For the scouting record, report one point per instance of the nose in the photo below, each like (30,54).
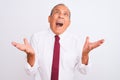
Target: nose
(61,15)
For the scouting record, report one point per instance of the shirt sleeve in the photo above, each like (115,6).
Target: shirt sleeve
(82,68)
(34,69)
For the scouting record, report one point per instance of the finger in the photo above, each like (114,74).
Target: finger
(87,40)
(26,41)
(18,46)
(98,43)
(14,43)
(101,41)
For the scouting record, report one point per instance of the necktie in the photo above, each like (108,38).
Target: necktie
(55,64)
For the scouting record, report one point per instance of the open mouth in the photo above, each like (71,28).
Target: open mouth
(59,24)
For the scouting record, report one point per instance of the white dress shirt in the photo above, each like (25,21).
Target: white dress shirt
(70,56)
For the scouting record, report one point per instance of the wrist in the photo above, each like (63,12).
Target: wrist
(31,59)
(85,59)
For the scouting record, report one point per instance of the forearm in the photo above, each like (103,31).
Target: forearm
(31,64)
(31,59)
(85,59)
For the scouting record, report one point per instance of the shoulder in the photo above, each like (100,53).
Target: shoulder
(39,35)
(70,38)
(73,36)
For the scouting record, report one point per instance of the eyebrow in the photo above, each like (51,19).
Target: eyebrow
(59,10)
(56,10)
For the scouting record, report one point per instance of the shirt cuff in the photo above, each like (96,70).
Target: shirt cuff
(84,69)
(31,70)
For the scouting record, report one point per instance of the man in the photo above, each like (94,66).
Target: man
(40,54)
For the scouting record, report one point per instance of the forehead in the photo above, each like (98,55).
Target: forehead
(61,8)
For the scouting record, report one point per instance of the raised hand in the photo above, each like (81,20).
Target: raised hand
(26,47)
(88,46)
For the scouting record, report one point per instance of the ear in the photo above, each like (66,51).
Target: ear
(49,19)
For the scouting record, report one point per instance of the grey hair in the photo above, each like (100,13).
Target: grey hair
(59,5)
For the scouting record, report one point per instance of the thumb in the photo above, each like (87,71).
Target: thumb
(87,40)
(26,41)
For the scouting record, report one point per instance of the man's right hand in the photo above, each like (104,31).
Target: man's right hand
(26,47)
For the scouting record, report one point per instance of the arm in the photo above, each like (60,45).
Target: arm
(27,49)
(82,64)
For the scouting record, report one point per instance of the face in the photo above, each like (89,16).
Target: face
(59,19)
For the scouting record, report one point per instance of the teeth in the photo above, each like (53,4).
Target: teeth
(59,24)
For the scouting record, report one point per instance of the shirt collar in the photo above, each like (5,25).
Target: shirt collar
(62,36)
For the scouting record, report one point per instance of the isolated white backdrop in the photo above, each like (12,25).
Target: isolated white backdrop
(95,18)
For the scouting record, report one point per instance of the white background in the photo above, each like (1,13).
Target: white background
(95,18)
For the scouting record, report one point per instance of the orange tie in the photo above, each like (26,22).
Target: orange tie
(55,63)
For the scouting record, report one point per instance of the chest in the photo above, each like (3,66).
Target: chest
(68,52)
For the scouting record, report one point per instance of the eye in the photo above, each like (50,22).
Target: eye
(65,14)
(56,12)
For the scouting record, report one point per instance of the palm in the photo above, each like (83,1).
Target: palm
(88,46)
(24,47)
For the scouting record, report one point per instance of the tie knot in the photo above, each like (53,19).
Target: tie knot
(57,38)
